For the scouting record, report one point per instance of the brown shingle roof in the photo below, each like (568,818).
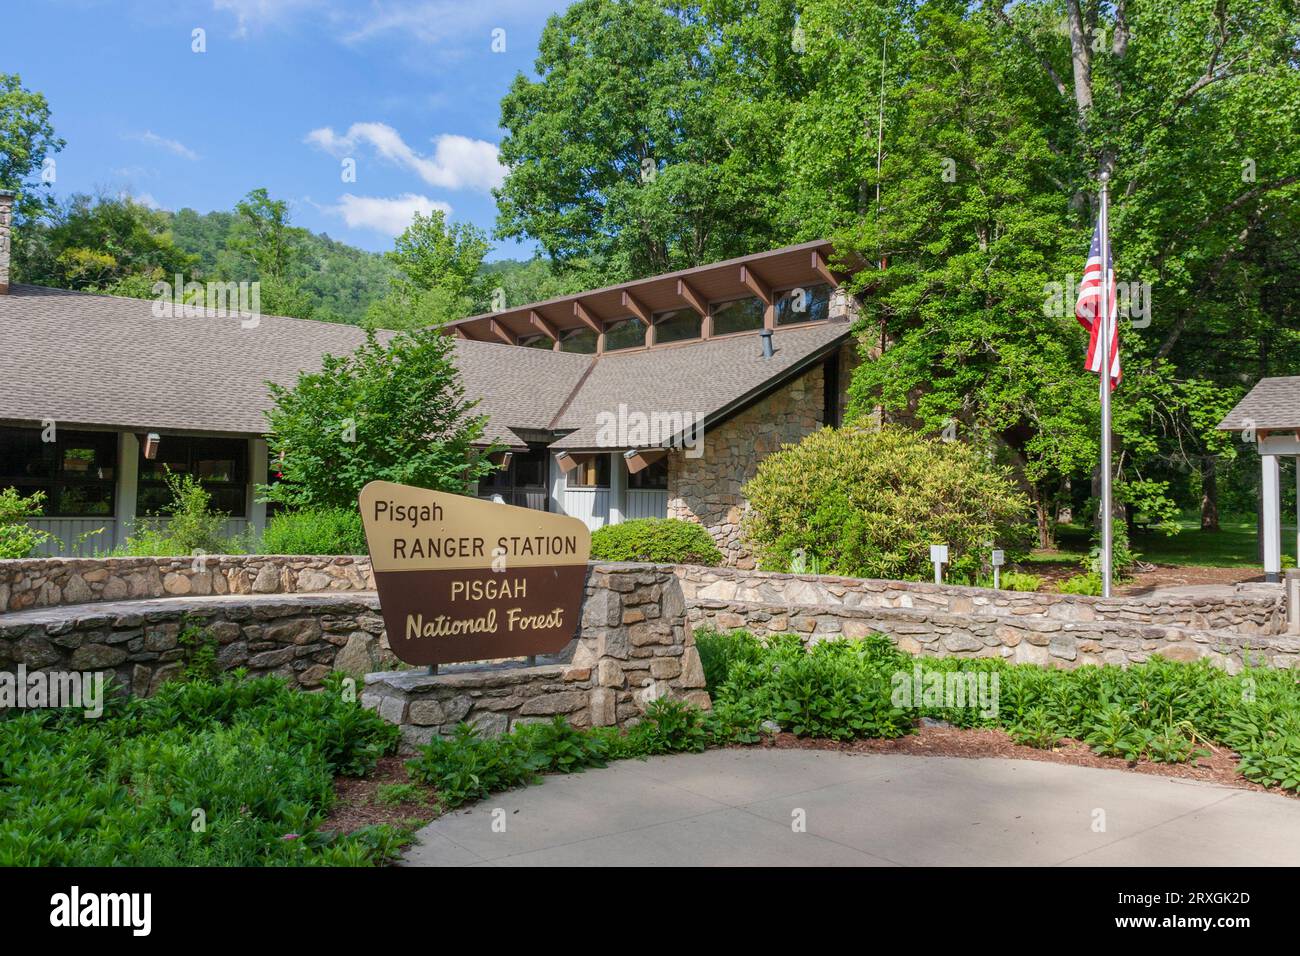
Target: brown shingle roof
(84,359)
(1273,403)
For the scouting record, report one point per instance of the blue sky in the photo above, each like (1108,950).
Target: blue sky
(286,91)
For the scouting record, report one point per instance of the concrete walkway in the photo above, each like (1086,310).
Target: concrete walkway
(737,808)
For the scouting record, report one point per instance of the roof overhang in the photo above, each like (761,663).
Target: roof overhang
(761,274)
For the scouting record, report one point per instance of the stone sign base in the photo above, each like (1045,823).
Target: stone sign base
(634,647)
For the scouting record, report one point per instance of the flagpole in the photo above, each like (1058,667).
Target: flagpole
(1103,339)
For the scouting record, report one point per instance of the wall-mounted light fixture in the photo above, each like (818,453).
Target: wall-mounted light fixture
(501,459)
(151,443)
(566,462)
(638,459)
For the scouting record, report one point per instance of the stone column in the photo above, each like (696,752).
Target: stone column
(6,223)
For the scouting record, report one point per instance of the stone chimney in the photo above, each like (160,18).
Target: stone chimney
(6,220)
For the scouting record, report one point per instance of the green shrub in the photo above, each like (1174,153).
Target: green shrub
(315,531)
(191,527)
(237,773)
(662,540)
(870,504)
(1020,581)
(720,649)
(17,538)
(1086,583)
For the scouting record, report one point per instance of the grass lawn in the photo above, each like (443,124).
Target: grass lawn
(1232,546)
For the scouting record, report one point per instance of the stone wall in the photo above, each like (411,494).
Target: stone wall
(49,582)
(299,637)
(707,489)
(1252,610)
(1050,629)
(634,647)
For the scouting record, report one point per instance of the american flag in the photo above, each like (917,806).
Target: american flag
(1087,308)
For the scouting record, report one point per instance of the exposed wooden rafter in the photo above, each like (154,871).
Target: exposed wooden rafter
(756,285)
(633,305)
(501,332)
(539,323)
(586,318)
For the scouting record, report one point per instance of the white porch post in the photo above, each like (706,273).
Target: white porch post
(1271,493)
(128,474)
(558,482)
(257,467)
(617,487)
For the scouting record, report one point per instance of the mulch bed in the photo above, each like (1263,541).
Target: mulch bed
(1144,582)
(357,802)
(1220,767)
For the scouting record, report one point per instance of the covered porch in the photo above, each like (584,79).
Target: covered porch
(1269,418)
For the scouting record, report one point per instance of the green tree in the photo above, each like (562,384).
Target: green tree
(261,235)
(438,274)
(628,152)
(393,410)
(27,140)
(101,243)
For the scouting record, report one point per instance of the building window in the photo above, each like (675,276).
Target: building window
(582,341)
(221,464)
(592,472)
(738,315)
(678,326)
(653,477)
(810,303)
(626,334)
(537,342)
(77,471)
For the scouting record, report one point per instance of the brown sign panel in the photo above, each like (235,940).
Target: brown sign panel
(461,579)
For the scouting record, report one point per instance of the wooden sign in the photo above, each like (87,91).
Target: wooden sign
(461,579)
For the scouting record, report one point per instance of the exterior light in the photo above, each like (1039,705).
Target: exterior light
(151,443)
(566,462)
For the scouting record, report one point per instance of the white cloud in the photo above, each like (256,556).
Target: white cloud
(171,145)
(389,215)
(256,13)
(458,162)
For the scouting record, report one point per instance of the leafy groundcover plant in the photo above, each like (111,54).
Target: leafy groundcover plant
(1160,711)
(235,773)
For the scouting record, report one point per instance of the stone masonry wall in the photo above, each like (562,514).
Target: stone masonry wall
(707,489)
(634,647)
(49,582)
(1051,629)
(299,637)
(1251,611)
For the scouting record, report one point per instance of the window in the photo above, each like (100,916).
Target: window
(624,334)
(678,326)
(652,476)
(810,303)
(76,471)
(739,315)
(220,463)
(578,340)
(537,342)
(592,472)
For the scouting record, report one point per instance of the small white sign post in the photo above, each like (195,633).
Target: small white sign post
(938,557)
(999,558)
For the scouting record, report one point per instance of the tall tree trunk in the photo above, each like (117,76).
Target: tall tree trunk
(1209,493)
(1042,516)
